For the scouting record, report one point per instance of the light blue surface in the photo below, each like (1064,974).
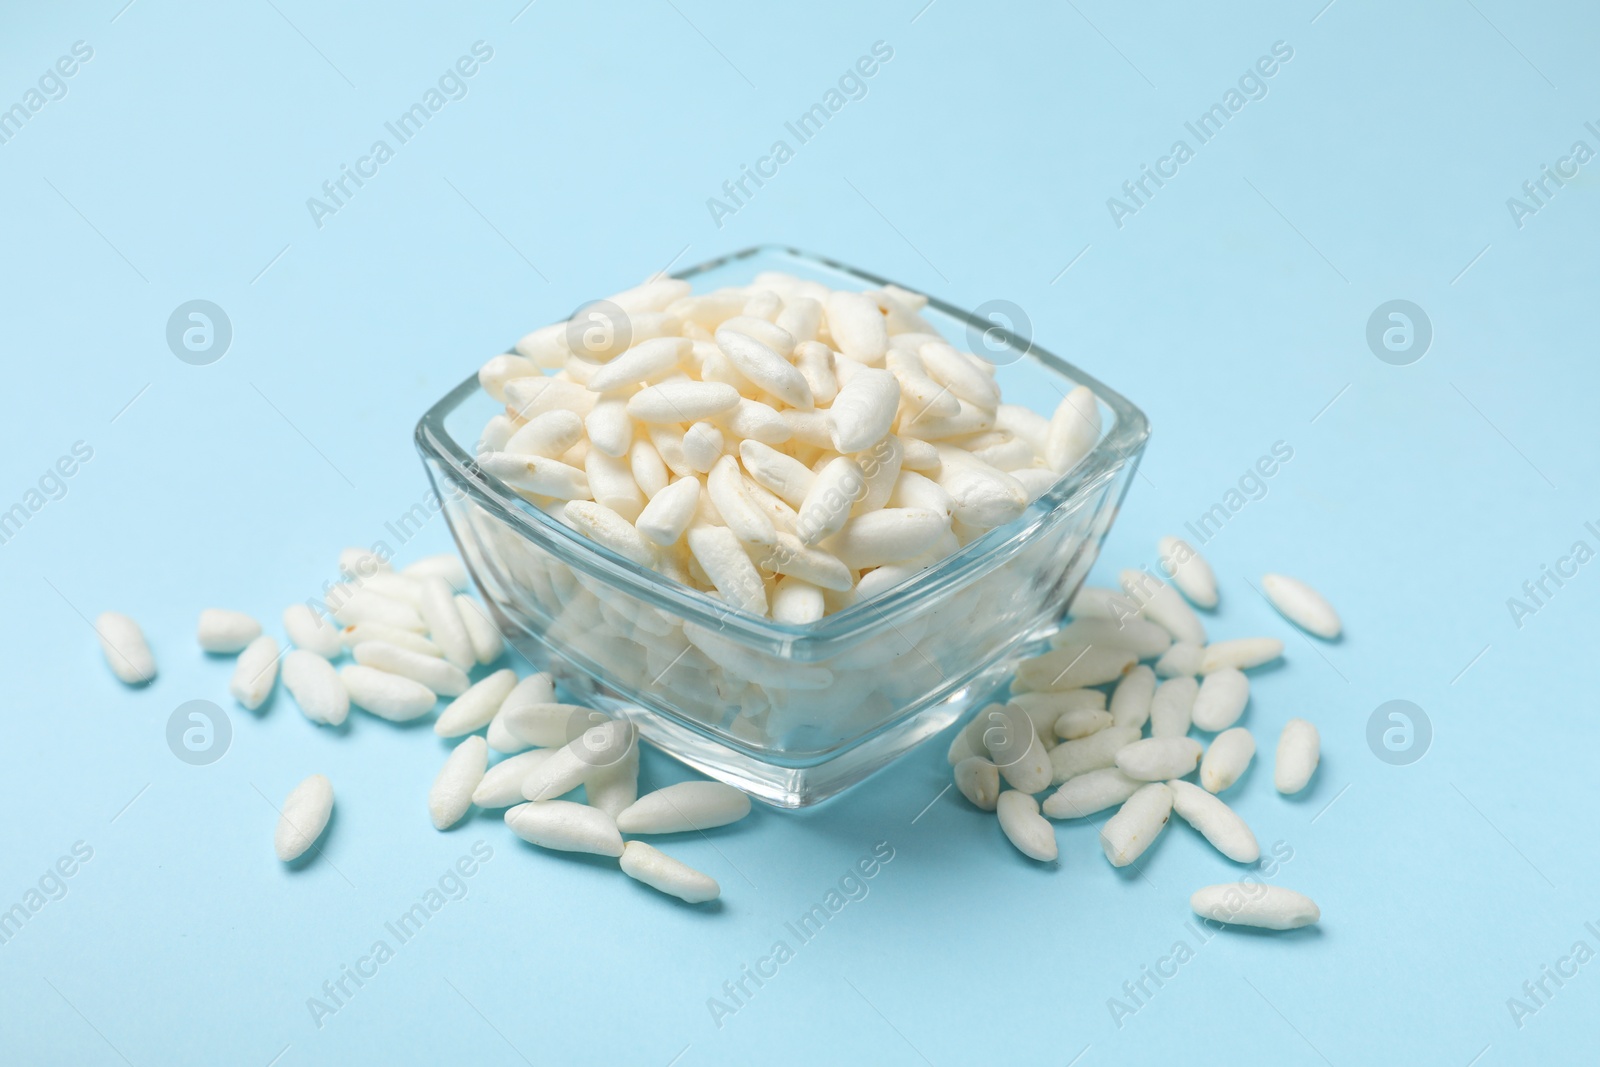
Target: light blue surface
(1232,308)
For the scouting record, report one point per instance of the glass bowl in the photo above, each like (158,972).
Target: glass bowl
(792,714)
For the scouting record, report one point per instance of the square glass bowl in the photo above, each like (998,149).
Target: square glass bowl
(792,714)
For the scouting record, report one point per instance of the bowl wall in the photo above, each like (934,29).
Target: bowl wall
(792,714)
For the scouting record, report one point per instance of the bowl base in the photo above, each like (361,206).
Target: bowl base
(773,783)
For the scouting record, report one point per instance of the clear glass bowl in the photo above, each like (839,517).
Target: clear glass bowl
(791,714)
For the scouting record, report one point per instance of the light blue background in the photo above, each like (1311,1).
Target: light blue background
(1232,308)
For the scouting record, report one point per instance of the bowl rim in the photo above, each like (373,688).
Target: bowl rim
(1120,446)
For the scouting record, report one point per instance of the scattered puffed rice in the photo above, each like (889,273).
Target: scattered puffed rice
(315,687)
(1302,605)
(474,708)
(303,817)
(1137,824)
(312,632)
(1156,759)
(226,632)
(461,774)
(1172,706)
(1025,827)
(1221,699)
(570,765)
(1227,758)
(686,806)
(1183,658)
(388,696)
(1270,907)
(1219,824)
(979,782)
(1189,570)
(126,651)
(1241,653)
(1298,756)
(1161,603)
(501,786)
(1089,793)
(1130,700)
(442,677)
(255,672)
(567,826)
(660,871)
(1098,750)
